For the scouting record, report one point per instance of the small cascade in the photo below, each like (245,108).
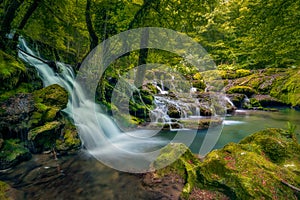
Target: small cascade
(160,89)
(198,112)
(229,101)
(246,102)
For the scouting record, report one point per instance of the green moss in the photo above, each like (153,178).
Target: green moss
(287,88)
(11,149)
(199,84)
(254,103)
(69,139)
(48,102)
(242,90)
(186,165)
(44,137)
(13,152)
(49,127)
(252,169)
(4,187)
(22,88)
(10,71)
(53,95)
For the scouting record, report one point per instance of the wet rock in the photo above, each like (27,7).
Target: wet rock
(257,167)
(246,90)
(12,153)
(237,99)
(43,138)
(173,112)
(8,193)
(14,115)
(268,101)
(69,139)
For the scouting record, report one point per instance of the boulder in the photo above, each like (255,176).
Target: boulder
(12,153)
(264,165)
(43,137)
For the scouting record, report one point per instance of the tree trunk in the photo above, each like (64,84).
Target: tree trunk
(92,33)
(141,70)
(26,17)
(8,17)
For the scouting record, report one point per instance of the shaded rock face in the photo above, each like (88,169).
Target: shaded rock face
(271,87)
(12,153)
(15,114)
(35,120)
(264,165)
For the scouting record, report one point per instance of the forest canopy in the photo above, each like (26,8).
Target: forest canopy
(240,34)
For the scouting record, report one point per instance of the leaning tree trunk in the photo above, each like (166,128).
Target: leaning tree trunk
(89,24)
(26,17)
(141,70)
(7,19)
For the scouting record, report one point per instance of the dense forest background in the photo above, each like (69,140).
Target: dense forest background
(237,33)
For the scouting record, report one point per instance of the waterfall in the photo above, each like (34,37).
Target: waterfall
(98,132)
(198,112)
(229,101)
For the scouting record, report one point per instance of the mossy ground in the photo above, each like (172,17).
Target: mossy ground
(4,187)
(255,168)
(12,152)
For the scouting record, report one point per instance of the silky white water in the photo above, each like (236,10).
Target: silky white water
(98,132)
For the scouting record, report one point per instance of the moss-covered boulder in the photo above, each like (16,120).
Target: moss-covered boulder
(48,102)
(9,193)
(11,71)
(185,165)
(69,139)
(15,114)
(264,165)
(15,77)
(268,101)
(241,90)
(4,187)
(287,88)
(43,137)
(12,153)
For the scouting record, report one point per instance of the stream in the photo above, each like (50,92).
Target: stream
(82,176)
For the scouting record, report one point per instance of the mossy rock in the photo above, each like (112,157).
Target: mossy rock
(173,112)
(248,170)
(11,71)
(199,84)
(242,90)
(278,145)
(287,88)
(268,101)
(179,160)
(53,96)
(43,137)
(4,188)
(12,153)
(48,102)
(69,138)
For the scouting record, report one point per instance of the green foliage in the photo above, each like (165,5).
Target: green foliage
(11,71)
(287,88)
(242,90)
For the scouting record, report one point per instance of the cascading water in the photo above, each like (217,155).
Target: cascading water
(126,151)
(97,131)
